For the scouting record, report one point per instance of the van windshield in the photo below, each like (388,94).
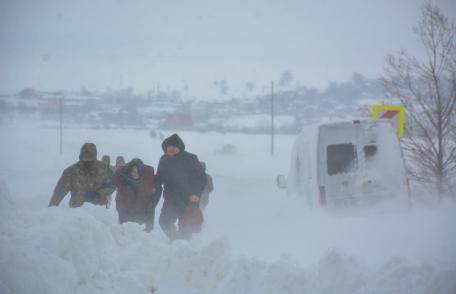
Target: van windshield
(340,158)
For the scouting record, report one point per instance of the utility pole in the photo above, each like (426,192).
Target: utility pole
(272,118)
(61,124)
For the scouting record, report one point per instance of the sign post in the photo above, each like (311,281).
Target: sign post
(272,118)
(61,124)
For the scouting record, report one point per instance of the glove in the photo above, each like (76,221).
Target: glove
(91,195)
(193,199)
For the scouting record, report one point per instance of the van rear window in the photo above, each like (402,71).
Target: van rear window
(340,158)
(369,151)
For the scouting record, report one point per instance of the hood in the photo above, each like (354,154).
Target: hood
(173,140)
(120,161)
(106,159)
(88,152)
(135,162)
(126,174)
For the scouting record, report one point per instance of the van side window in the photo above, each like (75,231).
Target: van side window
(340,158)
(369,151)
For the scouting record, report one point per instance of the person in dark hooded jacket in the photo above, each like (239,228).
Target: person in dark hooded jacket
(182,179)
(136,199)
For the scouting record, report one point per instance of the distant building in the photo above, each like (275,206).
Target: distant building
(28,93)
(177,120)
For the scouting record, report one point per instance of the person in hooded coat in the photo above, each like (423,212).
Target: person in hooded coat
(106,159)
(120,162)
(182,179)
(136,199)
(88,180)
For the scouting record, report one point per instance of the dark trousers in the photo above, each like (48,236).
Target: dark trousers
(172,211)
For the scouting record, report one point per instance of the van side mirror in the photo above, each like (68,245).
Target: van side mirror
(282,182)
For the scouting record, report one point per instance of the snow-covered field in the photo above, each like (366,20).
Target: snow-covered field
(256,238)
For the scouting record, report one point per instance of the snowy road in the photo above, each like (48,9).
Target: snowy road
(256,239)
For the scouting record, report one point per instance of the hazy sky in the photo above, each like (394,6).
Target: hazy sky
(99,44)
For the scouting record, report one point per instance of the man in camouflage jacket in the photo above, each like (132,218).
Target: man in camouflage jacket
(88,180)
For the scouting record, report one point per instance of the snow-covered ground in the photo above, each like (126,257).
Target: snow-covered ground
(256,239)
(253,122)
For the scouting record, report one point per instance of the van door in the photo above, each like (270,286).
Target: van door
(338,163)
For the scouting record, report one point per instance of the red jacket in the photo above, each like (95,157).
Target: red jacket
(126,200)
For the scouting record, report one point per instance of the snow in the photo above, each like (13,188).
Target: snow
(256,239)
(253,122)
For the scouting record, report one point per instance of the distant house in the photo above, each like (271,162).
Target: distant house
(28,93)
(177,120)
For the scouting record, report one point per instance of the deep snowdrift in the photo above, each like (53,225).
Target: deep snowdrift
(62,250)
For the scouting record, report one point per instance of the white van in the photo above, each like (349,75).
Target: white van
(347,163)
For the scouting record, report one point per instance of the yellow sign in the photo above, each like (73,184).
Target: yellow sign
(394,113)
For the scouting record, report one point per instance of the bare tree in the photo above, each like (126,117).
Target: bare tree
(223,87)
(250,86)
(427,88)
(286,78)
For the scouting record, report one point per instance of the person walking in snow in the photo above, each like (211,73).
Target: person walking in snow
(120,162)
(106,159)
(182,179)
(136,199)
(208,188)
(88,180)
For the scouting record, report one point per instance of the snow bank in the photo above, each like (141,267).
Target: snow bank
(63,250)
